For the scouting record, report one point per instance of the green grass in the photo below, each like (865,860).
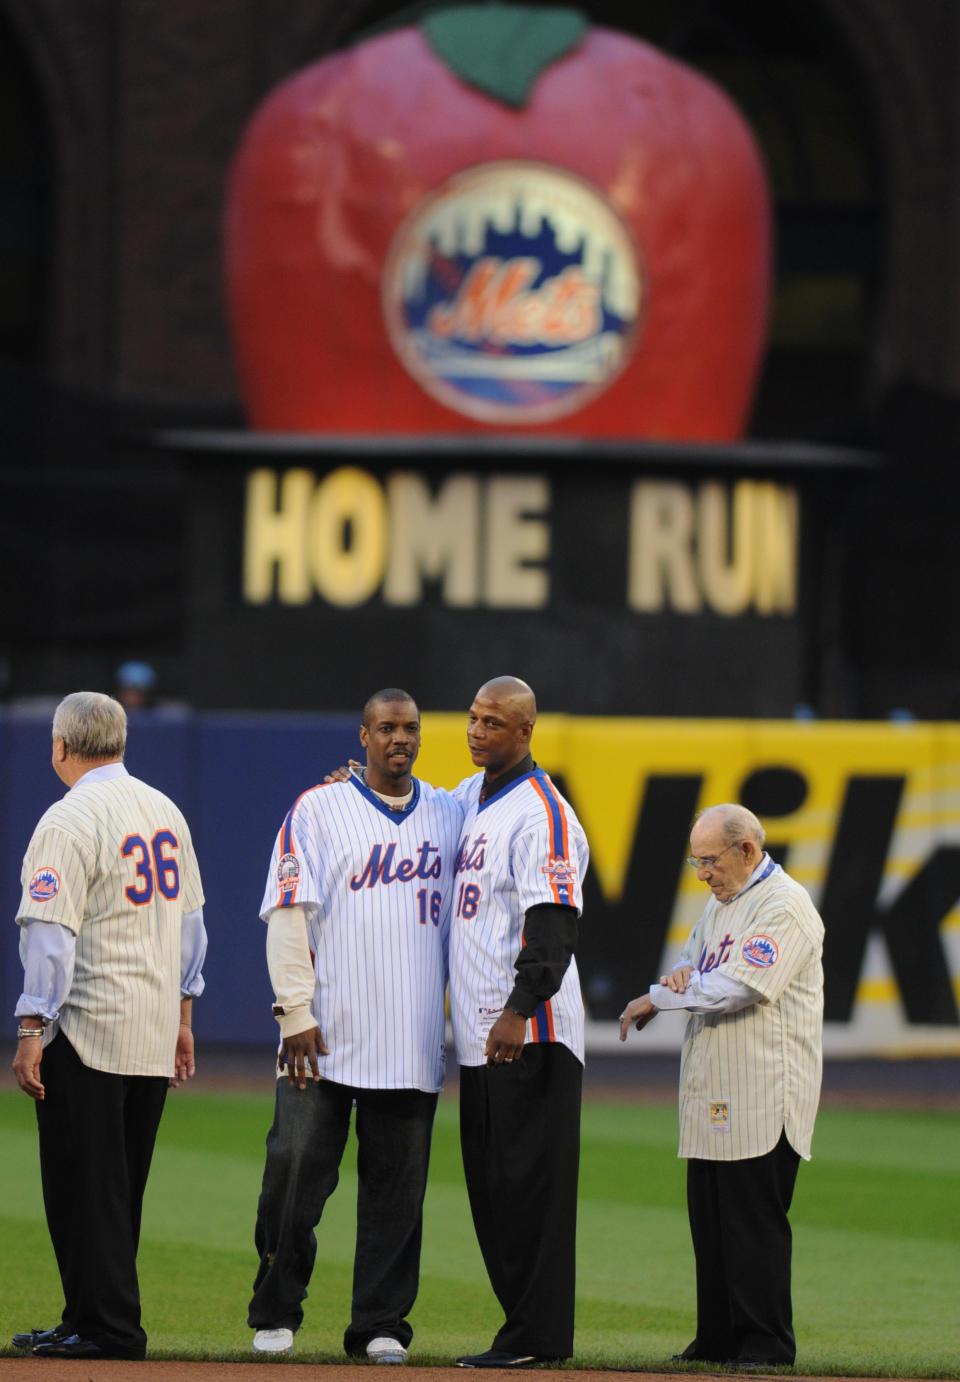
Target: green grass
(876,1231)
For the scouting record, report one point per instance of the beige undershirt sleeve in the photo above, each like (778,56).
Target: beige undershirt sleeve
(291,970)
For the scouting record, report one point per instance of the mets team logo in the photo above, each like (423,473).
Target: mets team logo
(512,293)
(288,873)
(44,885)
(760,951)
(561,872)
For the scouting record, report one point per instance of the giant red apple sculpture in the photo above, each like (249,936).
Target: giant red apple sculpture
(500,217)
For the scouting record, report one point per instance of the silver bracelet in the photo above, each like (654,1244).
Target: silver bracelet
(29,1032)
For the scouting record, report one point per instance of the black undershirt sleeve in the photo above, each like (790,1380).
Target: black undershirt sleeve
(550,935)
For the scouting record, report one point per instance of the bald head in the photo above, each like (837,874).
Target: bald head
(511,692)
(500,724)
(734,822)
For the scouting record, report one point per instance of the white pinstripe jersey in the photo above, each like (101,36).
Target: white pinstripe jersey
(376,885)
(747,1076)
(113,861)
(523,847)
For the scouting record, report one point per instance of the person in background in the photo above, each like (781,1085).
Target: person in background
(135,685)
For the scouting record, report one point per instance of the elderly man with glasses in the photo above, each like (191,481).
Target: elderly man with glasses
(751,978)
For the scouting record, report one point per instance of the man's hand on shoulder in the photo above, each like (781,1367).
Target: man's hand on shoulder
(301,1053)
(343,774)
(637,1013)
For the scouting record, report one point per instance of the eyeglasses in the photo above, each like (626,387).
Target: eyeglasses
(707,861)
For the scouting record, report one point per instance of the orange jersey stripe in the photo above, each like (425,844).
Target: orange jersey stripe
(558,839)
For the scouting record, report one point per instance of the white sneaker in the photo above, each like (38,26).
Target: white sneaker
(384,1350)
(273,1341)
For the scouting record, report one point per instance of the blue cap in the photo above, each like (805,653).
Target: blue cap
(137,674)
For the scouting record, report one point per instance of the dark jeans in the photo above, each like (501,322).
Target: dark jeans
(304,1150)
(742,1242)
(97,1132)
(520,1138)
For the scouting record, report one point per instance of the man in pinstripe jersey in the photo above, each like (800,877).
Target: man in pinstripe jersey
(112,941)
(518,1025)
(751,978)
(357,905)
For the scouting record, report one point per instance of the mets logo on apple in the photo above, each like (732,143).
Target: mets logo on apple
(512,292)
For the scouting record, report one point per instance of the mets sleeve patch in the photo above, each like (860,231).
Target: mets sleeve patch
(760,951)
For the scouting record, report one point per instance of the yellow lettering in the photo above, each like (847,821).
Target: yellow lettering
(433,537)
(348,536)
(517,535)
(776,535)
(275,537)
(725,546)
(660,561)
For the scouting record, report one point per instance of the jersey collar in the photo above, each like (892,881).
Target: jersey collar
(490,787)
(104,773)
(517,775)
(371,796)
(764,869)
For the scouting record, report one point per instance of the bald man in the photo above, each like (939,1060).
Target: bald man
(751,978)
(518,1025)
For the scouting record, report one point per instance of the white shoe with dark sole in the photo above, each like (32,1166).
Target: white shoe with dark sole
(384,1350)
(273,1341)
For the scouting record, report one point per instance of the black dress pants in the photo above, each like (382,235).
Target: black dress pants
(305,1146)
(520,1137)
(97,1133)
(742,1243)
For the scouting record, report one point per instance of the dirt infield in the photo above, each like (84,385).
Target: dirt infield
(33,1369)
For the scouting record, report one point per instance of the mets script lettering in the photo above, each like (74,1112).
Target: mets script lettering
(497,302)
(383,866)
(716,957)
(471,853)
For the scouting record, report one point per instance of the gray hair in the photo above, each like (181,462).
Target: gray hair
(91,725)
(736,823)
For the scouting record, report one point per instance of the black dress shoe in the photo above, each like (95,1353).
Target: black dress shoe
(756,1364)
(30,1338)
(500,1358)
(73,1346)
(692,1354)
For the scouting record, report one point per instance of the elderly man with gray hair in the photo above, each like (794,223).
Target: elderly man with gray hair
(112,942)
(751,978)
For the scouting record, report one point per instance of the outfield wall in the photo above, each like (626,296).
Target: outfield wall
(866,816)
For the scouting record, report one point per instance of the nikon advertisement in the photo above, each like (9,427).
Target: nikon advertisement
(866,817)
